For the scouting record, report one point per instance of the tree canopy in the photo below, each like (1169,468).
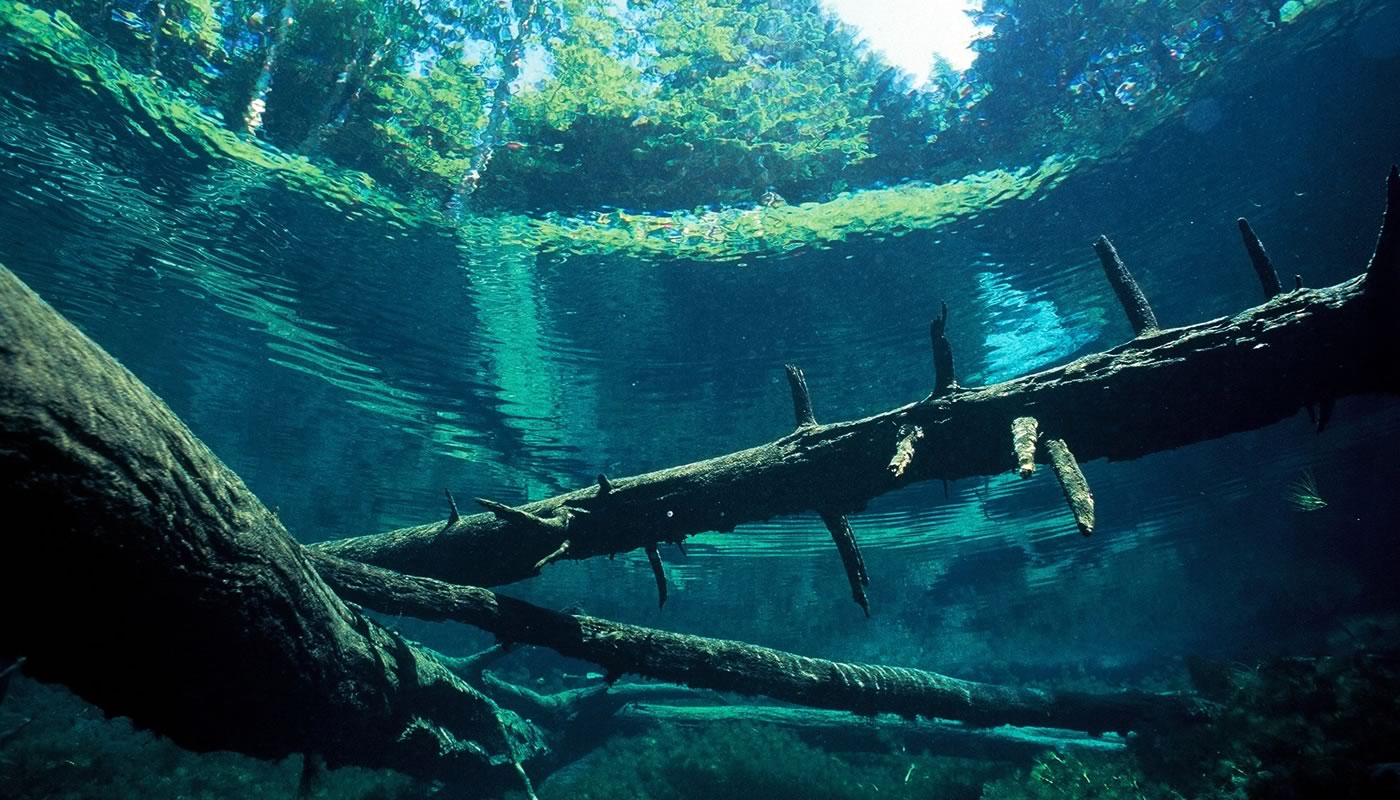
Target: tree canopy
(578,107)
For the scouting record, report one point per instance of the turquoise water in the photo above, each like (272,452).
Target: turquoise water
(350,362)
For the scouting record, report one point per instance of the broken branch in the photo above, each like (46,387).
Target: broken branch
(1024,431)
(904,449)
(851,559)
(654,558)
(453,516)
(511,514)
(1072,481)
(945,378)
(1263,266)
(1125,286)
(801,398)
(555,555)
(1383,270)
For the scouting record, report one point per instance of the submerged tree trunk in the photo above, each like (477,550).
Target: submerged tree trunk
(834,730)
(731,666)
(586,718)
(156,586)
(1162,390)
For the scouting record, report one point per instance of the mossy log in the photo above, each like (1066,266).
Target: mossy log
(730,666)
(1162,390)
(842,732)
(588,717)
(208,623)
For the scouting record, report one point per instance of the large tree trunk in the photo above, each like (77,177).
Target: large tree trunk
(1162,390)
(150,581)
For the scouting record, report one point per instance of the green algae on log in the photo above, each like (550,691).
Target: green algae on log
(198,616)
(1162,390)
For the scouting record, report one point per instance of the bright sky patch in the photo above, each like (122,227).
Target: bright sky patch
(910,32)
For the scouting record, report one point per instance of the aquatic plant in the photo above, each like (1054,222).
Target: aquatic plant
(1303,495)
(745,762)
(1086,776)
(1290,727)
(69,750)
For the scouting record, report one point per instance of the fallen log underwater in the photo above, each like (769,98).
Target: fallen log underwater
(1162,390)
(722,665)
(580,719)
(151,582)
(222,632)
(595,713)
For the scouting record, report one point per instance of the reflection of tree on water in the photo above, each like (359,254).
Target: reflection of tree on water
(665,104)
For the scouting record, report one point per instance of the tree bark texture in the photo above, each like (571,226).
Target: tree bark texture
(211,627)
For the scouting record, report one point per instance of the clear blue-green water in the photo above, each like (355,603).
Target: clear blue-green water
(350,368)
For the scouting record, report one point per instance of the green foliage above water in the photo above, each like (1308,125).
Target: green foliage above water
(422,161)
(757,229)
(54,66)
(766,117)
(178,41)
(416,133)
(678,102)
(647,104)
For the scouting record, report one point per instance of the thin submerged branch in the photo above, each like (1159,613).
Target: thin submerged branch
(730,666)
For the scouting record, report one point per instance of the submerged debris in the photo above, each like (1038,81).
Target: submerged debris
(1302,493)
